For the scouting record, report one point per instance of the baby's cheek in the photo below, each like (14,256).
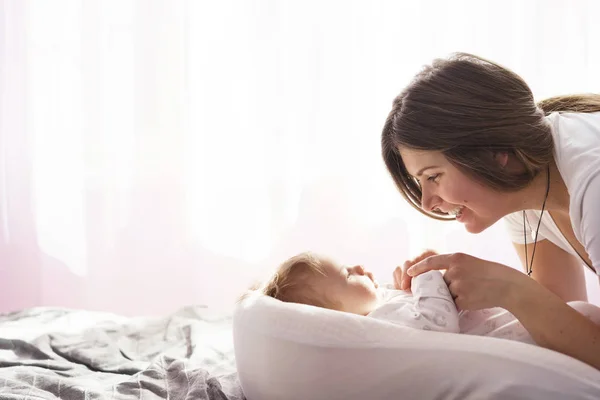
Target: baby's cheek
(372,299)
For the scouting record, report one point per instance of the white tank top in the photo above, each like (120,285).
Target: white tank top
(577,154)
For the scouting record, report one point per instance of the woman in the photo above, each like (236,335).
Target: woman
(466,141)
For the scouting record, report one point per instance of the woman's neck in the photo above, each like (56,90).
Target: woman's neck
(532,197)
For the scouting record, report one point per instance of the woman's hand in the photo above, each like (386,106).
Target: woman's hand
(401,279)
(475,283)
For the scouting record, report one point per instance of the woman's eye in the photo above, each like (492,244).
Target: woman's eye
(433,178)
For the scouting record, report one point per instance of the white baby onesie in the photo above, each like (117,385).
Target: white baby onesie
(429,307)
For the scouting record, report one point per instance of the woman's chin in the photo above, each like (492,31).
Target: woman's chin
(475,227)
(473,222)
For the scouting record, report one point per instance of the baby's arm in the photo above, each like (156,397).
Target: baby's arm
(434,301)
(431,307)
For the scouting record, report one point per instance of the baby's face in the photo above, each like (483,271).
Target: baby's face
(351,287)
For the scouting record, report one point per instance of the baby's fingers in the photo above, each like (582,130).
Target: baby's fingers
(398,276)
(406,281)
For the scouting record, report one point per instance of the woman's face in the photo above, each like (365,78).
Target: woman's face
(448,189)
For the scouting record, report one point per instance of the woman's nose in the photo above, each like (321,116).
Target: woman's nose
(429,201)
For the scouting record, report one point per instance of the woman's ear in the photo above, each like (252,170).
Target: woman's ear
(501,159)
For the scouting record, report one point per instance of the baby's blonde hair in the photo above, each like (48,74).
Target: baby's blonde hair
(291,283)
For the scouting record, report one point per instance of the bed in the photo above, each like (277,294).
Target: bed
(50,353)
(282,352)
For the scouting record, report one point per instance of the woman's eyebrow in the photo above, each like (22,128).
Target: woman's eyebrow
(420,172)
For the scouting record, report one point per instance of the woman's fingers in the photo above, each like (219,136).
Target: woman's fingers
(426,254)
(430,263)
(473,283)
(402,280)
(454,289)
(421,257)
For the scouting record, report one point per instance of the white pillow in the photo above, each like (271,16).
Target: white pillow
(288,351)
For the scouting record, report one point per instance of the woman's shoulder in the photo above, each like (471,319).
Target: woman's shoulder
(577,145)
(577,154)
(574,131)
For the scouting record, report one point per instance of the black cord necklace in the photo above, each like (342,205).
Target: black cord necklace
(529,268)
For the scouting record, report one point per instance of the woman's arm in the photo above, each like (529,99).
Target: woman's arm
(553,324)
(555,269)
(477,284)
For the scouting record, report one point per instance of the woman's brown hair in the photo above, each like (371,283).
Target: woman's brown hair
(470,109)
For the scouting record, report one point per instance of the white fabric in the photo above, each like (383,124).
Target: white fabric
(428,307)
(294,351)
(577,154)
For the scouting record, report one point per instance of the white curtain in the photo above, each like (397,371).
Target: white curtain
(155,154)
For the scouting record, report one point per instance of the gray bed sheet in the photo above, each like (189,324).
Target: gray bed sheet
(50,353)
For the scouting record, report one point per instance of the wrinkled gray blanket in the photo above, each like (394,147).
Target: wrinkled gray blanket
(48,353)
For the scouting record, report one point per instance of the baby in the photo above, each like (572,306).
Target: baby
(315,280)
(311,279)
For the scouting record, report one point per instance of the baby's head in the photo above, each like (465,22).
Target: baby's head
(310,279)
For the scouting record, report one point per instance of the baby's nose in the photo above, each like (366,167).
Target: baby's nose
(358,269)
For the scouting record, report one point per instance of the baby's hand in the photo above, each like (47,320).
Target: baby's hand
(401,279)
